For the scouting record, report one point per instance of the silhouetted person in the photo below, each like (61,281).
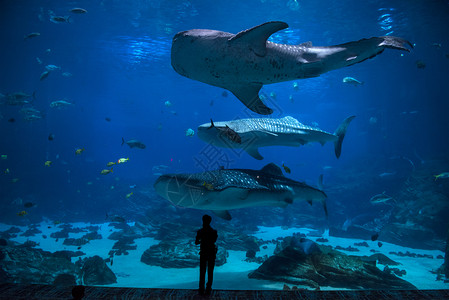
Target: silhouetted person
(78,292)
(207,236)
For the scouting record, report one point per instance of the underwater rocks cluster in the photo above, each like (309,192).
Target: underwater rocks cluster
(303,262)
(177,248)
(21,263)
(179,254)
(416,216)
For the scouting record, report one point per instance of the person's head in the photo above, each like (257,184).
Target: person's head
(206,220)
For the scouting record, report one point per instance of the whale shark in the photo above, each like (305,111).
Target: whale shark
(260,132)
(222,190)
(242,63)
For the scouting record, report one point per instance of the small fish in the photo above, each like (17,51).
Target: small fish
(436,45)
(379,244)
(168,103)
(60,19)
(231,135)
(420,64)
(380,198)
(106,171)
(374,237)
(56,222)
(190,132)
(60,104)
(287,169)
(39,61)
(227,132)
(29,204)
(67,74)
(208,186)
(31,35)
(79,248)
(4,156)
(51,137)
(110,164)
(353,81)
(444,175)
(6,171)
(22,213)
(78,10)
(107,119)
(79,151)
(134,144)
(12,120)
(295,86)
(48,163)
(52,68)
(122,160)
(44,75)
(129,195)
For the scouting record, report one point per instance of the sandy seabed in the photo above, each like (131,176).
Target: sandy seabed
(131,272)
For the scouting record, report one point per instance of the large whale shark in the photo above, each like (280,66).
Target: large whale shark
(261,132)
(225,189)
(242,63)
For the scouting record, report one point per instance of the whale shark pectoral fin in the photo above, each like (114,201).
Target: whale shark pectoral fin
(224,214)
(257,37)
(394,42)
(254,152)
(249,95)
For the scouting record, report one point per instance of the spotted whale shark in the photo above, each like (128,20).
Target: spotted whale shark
(262,132)
(222,190)
(242,63)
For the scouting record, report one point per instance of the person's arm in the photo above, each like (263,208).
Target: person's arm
(198,238)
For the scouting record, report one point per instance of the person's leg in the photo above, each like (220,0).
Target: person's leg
(210,273)
(203,263)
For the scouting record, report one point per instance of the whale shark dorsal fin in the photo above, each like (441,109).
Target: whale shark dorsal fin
(257,36)
(254,152)
(248,94)
(272,169)
(224,214)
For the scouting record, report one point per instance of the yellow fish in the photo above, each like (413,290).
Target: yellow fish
(287,169)
(442,175)
(79,151)
(111,163)
(22,213)
(105,171)
(129,195)
(48,163)
(7,171)
(208,186)
(122,160)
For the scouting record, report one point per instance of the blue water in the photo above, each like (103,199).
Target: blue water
(119,57)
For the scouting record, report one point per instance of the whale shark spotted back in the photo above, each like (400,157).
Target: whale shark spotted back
(262,132)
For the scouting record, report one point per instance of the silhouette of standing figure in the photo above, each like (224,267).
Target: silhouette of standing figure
(206,236)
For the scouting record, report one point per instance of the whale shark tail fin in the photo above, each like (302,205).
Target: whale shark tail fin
(340,133)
